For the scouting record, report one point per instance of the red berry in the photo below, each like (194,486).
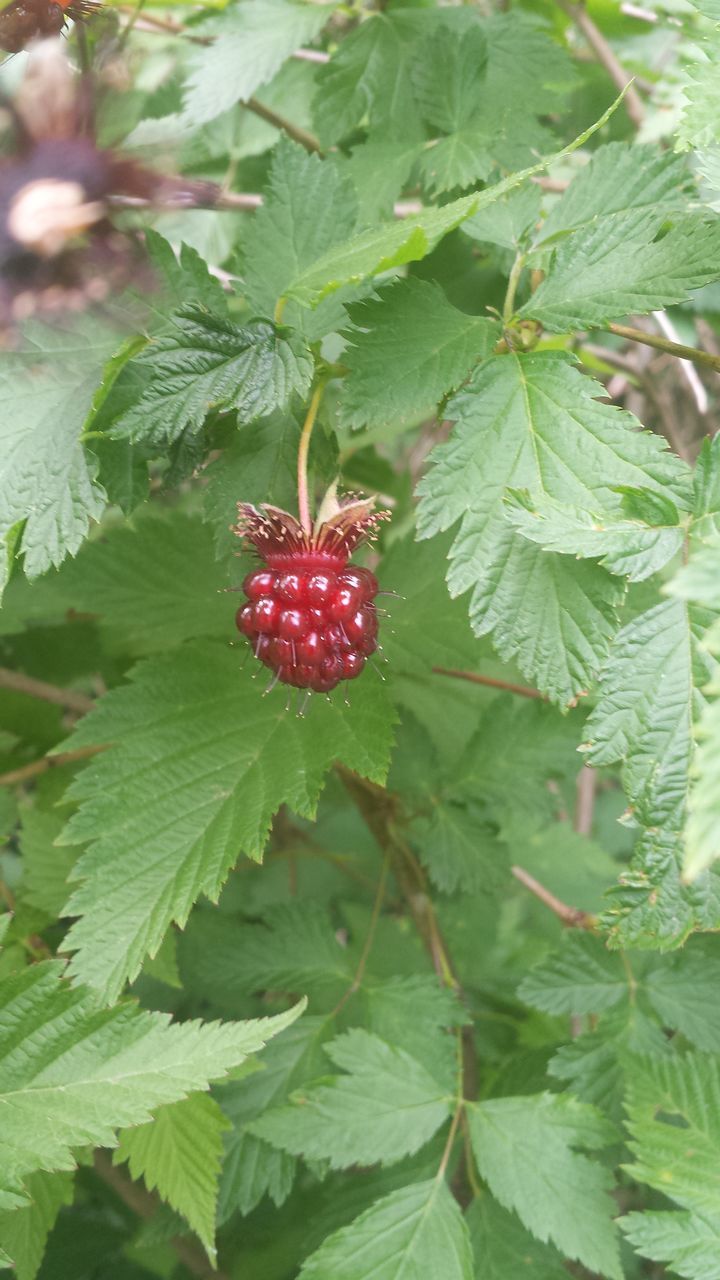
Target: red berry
(309,616)
(343,603)
(362,579)
(293,624)
(292,587)
(266,614)
(261,582)
(319,588)
(244,620)
(352,664)
(311,649)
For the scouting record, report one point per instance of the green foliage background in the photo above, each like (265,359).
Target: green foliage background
(408,988)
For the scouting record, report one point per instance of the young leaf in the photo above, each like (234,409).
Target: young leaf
(254,39)
(526,1149)
(386,1107)
(205,361)
(416,1233)
(199,765)
(179,1152)
(72,1073)
(429,344)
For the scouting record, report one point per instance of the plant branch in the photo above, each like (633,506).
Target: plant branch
(303,136)
(68,698)
(513,282)
(145,1205)
(571,916)
(367,946)
(524,691)
(661,343)
(27,771)
(607,58)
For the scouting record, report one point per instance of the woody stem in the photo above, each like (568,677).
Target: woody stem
(303,450)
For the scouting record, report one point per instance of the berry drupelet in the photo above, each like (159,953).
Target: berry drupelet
(310,615)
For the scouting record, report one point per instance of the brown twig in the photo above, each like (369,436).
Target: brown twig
(607,58)
(145,1205)
(585,800)
(68,698)
(524,691)
(660,343)
(27,771)
(303,136)
(574,917)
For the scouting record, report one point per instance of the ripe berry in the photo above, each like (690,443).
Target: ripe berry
(310,615)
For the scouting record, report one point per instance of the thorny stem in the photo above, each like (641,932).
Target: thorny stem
(574,917)
(47,692)
(513,282)
(367,946)
(660,343)
(524,691)
(607,58)
(303,449)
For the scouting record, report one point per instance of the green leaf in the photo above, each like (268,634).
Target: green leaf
(504,1249)
(448,77)
(199,765)
(259,465)
(369,77)
(673,1107)
(416,1233)
(652,906)
(386,1107)
(204,362)
(618,179)
(151,584)
(593,1065)
(429,344)
(507,221)
(251,1167)
(179,1153)
(532,421)
(643,716)
(254,40)
(685,993)
(292,947)
(24,1231)
(459,848)
(309,208)
(698,124)
(702,845)
(625,547)
(395,244)
(697,581)
(582,977)
(688,1242)
(526,1150)
(45,866)
(47,482)
(73,1073)
(624,265)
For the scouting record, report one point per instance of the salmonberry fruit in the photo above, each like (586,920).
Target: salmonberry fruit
(310,615)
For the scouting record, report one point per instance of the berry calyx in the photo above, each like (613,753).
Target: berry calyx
(310,615)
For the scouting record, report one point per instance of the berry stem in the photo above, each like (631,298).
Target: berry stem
(303,450)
